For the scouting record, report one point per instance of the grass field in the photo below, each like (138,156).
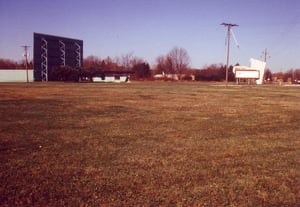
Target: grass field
(149,144)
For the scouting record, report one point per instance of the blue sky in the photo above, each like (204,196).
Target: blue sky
(150,28)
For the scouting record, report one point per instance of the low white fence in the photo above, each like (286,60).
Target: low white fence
(16,75)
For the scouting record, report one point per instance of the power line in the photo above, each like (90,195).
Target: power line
(229,26)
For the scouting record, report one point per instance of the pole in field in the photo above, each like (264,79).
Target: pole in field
(265,54)
(26,60)
(229,26)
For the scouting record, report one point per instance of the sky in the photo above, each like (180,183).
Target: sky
(150,28)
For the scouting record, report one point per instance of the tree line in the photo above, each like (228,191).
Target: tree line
(10,64)
(176,61)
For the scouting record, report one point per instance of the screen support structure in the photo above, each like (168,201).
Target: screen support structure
(78,54)
(62,49)
(44,57)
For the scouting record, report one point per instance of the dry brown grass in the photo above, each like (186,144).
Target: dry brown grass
(149,144)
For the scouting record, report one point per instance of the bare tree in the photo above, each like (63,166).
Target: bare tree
(163,64)
(175,62)
(109,64)
(136,61)
(10,64)
(180,59)
(160,60)
(92,61)
(126,60)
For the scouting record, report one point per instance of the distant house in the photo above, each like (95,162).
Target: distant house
(166,76)
(113,76)
(173,76)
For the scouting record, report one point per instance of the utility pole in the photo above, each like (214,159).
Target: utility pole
(228,25)
(26,60)
(265,55)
